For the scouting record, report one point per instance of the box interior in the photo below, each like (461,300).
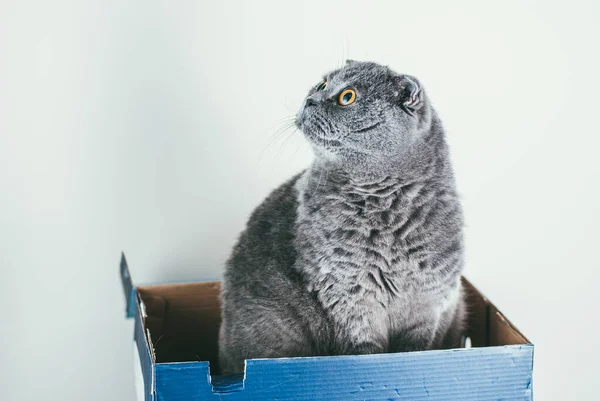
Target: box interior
(184,319)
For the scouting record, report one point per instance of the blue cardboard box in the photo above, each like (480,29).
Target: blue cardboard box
(176,333)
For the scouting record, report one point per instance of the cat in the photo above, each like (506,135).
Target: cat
(361,253)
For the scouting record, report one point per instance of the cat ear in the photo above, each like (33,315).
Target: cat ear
(350,62)
(410,95)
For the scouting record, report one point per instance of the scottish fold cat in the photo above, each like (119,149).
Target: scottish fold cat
(362,252)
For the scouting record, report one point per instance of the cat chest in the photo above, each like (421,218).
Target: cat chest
(355,260)
(370,239)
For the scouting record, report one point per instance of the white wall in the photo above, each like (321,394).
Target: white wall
(142,126)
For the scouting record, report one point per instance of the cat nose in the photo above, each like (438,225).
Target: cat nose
(311,102)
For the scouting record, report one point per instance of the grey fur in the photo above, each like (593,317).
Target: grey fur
(362,252)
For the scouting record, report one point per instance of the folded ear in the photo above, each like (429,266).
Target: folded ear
(410,95)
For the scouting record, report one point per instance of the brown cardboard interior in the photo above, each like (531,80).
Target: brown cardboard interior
(184,320)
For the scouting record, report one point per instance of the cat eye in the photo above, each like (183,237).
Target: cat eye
(347,97)
(322,86)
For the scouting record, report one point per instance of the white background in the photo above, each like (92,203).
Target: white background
(144,126)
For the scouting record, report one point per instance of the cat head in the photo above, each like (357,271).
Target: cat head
(364,114)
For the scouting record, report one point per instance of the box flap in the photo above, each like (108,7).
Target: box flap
(487,325)
(128,288)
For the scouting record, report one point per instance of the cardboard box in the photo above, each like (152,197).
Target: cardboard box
(176,339)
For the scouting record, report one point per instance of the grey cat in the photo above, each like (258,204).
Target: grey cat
(363,252)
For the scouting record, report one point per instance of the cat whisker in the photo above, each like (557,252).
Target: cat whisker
(279,133)
(318,184)
(283,120)
(285,142)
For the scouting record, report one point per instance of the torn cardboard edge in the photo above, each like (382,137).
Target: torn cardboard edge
(144,345)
